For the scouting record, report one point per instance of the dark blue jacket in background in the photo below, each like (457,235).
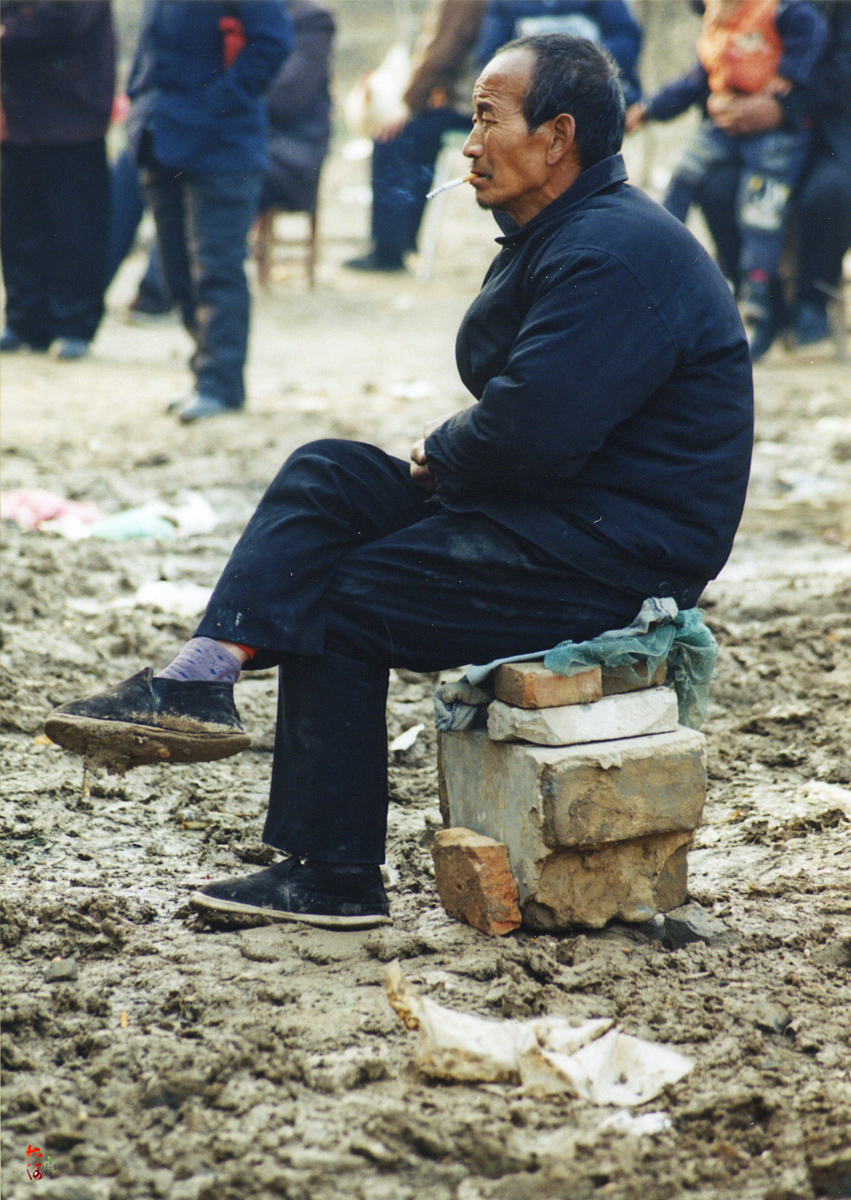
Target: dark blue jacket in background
(619,32)
(614,421)
(202,117)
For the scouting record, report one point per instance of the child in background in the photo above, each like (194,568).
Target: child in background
(751,46)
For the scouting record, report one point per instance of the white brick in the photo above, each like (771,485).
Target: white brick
(629,715)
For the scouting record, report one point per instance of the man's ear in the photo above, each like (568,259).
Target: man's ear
(561,141)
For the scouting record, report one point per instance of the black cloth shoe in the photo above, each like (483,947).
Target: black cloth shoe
(330,895)
(146,720)
(197,407)
(374,261)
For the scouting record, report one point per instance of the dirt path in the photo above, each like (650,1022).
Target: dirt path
(197,1064)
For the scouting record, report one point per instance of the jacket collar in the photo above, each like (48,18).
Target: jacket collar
(591,181)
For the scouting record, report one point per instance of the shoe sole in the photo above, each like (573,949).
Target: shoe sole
(199,900)
(120,745)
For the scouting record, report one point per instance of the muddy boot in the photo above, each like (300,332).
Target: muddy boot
(148,719)
(329,895)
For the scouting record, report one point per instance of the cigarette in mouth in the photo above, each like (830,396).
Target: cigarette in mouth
(453,183)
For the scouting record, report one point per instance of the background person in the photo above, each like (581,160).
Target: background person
(756,47)
(604,460)
(821,209)
(198,130)
(607,23)
(405,151)
(298,107)
(58,80)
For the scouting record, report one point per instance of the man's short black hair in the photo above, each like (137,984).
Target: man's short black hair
(572,75)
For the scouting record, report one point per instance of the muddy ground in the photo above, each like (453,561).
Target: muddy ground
(193,1063)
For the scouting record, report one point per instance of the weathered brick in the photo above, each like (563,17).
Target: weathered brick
(474,880)
(543,801)
(631,679)
(632,880)
(633,714)
(531,685)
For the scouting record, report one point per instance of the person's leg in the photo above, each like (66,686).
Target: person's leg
(402,171)
(345,570)
(220,210)
(79,218)
(772,164)
(164,192)
(716,197)
(708,150)
(25,247)
(823,236)
(445,591)
(128,204)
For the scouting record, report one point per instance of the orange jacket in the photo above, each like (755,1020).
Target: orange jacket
(739,46)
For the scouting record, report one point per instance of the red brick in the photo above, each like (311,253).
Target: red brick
(531,685)
(617,679)
(474,880)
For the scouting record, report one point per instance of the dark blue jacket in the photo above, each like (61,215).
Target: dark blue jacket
(614,421)
(203,117)
(617,30)
(58,71)
(826,100)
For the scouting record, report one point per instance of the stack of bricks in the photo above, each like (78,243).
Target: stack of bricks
(592,786)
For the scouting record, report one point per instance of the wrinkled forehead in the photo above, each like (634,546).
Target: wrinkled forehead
(504,81)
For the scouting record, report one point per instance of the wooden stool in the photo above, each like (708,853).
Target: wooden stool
(265,239)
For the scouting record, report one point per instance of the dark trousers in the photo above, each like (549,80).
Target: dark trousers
(821,217)
(54,232)
(202,226)
(402,171)
(128,205)
(769,166)
(346,569)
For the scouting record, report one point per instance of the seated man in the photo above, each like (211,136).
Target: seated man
(298,107)
(605,459)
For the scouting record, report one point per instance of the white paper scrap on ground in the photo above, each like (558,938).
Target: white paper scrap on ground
(548,1056)
(180,599)
(405,740)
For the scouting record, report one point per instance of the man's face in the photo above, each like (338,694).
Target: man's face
(509,164)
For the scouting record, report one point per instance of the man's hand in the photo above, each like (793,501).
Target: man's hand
(740,114)
(390,130)
(635,115)
(420,473)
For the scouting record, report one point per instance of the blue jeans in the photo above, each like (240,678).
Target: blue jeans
(346,569)
(128,204)
(769,164)
(202,226)
(402,171)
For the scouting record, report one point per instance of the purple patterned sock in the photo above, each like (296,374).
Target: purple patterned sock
(203,658)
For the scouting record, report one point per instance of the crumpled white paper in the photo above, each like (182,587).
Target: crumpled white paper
(592,1061)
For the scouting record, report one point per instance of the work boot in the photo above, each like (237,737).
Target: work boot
(812,324)
(11,342)
(329,895)
(148,719)
(376,260)
(69,349)
(198,407)
(760,315)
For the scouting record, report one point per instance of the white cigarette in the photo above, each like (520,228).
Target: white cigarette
(444,187)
